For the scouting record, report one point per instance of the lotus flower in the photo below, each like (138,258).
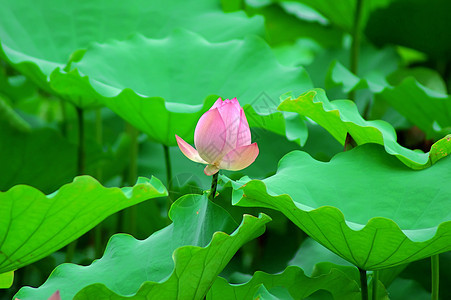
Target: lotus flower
(222,138)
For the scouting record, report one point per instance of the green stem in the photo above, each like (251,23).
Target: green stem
(133,166)
(99,139)
(214,183)
(70,251)
(347,141)
(97,234)
(81,142)
(167,160)
(80,169)
(363,284)
(355,46)
(130,214)
(435,276)
(64,124)
(374,283)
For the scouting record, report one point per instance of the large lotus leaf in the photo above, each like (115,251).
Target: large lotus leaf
(428,109)
(160,88)
(33,225)
(340,75)
(293,279)
(341,117)
(364,205)
(184,257)
(38,40)
(417,24)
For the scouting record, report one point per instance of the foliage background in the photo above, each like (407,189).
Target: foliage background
(130,75)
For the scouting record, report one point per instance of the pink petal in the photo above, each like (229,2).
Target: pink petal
(210,170)
(217,104)
(236,103)
(239,158)
(210,136)
(230,114)
(244,133)
(189,151)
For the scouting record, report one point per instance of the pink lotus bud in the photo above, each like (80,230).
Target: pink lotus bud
(222,138)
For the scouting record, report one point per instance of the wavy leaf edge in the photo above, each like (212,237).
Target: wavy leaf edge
(428,234)
(432,157)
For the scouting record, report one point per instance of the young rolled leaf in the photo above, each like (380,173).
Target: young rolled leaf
(340,117)
(33,225)
(293,279)
(168,79)
(364,205)
(28,44)
(183,258)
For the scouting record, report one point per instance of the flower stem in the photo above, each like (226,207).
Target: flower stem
(363,284)
(214,183)
(375,284)
(81,142)
(64,125)
(129,218)
(167,160)
(355,46)
(435,276)
(97,235)
(70,250)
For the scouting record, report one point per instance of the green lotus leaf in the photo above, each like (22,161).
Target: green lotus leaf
(340,75)
(186,256)
(427,77)
(424,107)
(341,117)
(293,279)
(160,88)
(33,225)
(364,205)
(330,69)
(39,40)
